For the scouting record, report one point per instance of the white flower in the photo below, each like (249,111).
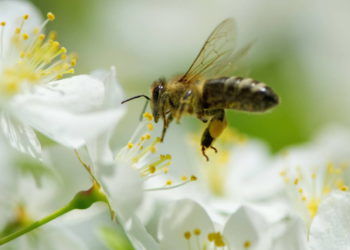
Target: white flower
(70,111)
(186,225)
(25,199)
(311,172)
(138,168)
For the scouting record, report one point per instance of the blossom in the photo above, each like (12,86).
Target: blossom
(24,199)
(70,111)
(186,225)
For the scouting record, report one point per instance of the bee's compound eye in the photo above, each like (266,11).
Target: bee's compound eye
(156,92)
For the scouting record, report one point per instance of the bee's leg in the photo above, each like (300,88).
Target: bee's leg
(166,122)
(215,127)
(184,104)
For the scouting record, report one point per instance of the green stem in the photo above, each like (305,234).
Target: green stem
(82,200)
(37,224)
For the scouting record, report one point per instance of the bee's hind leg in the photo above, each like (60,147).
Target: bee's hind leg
(215,127)
(184,104)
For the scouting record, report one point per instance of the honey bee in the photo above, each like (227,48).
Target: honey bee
(203,91)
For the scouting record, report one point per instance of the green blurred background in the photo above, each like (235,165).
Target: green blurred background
(301,51)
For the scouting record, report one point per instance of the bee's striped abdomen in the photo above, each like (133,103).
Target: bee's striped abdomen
(237,93)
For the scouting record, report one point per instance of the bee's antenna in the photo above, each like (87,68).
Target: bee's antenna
(134,97)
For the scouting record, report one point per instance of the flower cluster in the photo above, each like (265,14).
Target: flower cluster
(56,129)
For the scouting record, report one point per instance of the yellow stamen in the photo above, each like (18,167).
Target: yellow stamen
(148,116)
(50,16)
(184,178)
(247,244)
(193,178)
(150,126)
(187,235)
(25,36)
(197,231)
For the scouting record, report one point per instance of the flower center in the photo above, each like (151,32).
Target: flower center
(141,153)
(196,240)
(31,58)
(310,186)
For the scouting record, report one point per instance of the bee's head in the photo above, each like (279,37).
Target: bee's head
(157,91)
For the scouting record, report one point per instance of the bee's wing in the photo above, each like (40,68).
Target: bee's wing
(229,63)
(216,53)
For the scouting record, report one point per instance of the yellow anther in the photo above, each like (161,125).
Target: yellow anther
(300,190)
(152,169)
(165,170)
(150,126)
(73,62)
(63,50)
(130,145)
(50,16)
(41,37)
(211,237)
(344,188)
(313,175)
(184,178)
(25,17)
(247,244)
(303,198)
(197,231)
(64,57)
(153,149)
(147,136)
(142,138)
(193,178)
(70,71)
(148,116)
(59,76)
(168,182)
(22,54)
(187,235)
(296,181)
(3,23)
(55,44)
(25,36)
(18,30)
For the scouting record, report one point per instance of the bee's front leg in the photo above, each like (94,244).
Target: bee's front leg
(215,127)
(184,104)
(166,121)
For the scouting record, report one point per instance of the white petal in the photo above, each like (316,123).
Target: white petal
(139,236)
(76,94)
(180,217)
(125,188)
(21,136)
(331,226)
(12,11)
(114,94)
(99,149)
(246,225)
(294,236)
